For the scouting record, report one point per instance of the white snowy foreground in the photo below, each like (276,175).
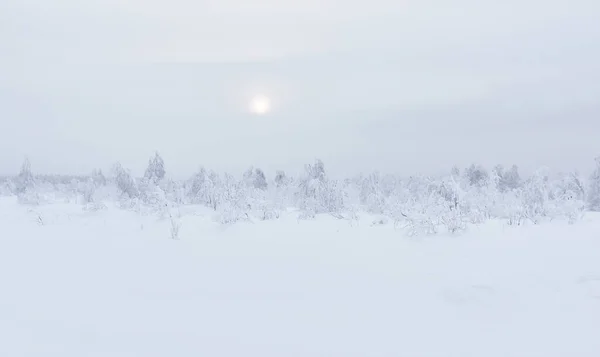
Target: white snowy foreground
(113,283)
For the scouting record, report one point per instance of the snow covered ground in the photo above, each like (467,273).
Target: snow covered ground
(112,283)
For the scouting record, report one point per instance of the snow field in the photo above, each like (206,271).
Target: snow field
(112,283)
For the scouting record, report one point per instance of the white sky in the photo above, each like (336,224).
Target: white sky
(401,86)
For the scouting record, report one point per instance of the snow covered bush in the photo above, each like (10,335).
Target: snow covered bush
(26,187)
(568,197)
(372,195)
(418,204)
(25,180)
(7,187)
(233,205)
(593,195)
(318,194)
(535,196)
(125,183)
(203,189)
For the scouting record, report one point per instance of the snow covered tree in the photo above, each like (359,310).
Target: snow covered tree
(153,185)
(203,187)
(25,185)
(593,194)
(151,194)
(248,176)
(568,197)
(281,179)
(255,178)
(156,169)
(535,196)
(510,180)
(496,177)
(569,187)
(174,191)
(232,200)
(88,190)
(316,171)
(125,183)
(98,178)
(314,179)
(260,180)
(477,176)
(318,194)
(455,172)
(212,194)
(25,180)
(7,186)
(371,193)
(196,188)
(423,204)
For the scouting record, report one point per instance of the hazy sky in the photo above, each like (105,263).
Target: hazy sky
(398,85)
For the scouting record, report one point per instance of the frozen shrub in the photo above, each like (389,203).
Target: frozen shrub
(125,183)
(281,179)
(25,181)
(593,195)
(317,194)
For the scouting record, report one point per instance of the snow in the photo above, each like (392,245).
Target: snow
(113,283)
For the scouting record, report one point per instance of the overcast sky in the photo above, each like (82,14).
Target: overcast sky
(402,86)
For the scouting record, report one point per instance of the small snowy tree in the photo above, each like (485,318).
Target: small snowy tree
(593,195)
(88,189)
(202,189)
(260,180)
(255,178)
(98,178)
(7,187)
(281,179)
(477,176)
(535,196)
(455,172)
(125,183)
(233,205)
(89,192)
(151,194)
(25,181)
(26,186)
(248,177)
(371,193)
(212,190)
(497,178)
(317,194)
(511,180)
(195,187)
(568,197)
(156,169)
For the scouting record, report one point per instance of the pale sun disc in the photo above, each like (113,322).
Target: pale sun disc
(260,105)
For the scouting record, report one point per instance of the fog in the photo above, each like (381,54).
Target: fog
(402,87)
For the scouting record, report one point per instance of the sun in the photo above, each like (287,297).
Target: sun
(260,105)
